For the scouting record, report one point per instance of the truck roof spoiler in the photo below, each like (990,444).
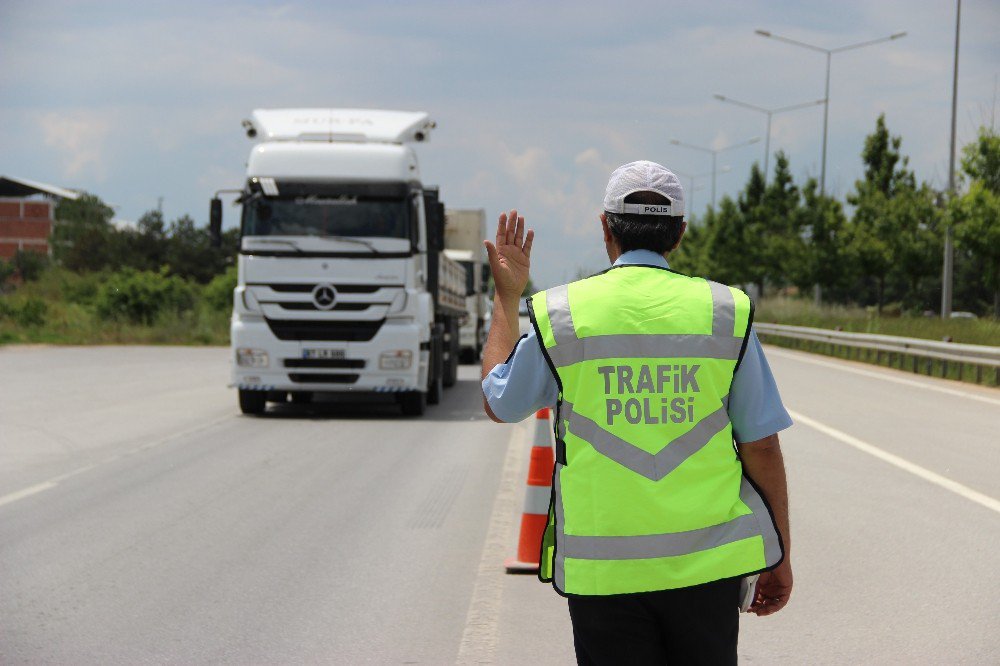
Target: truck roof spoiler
(328,125)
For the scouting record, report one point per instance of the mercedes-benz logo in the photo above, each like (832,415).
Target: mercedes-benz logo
(324,296)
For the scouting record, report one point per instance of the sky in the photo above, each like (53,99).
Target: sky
(536,102)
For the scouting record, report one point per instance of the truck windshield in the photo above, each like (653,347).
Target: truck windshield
(319,216)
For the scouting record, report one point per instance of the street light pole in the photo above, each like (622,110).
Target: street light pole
(689,203)
(826,117)
(769,113)
(714,152)
(948,268)
(829,53)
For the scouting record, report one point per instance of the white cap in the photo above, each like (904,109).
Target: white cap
(644,176)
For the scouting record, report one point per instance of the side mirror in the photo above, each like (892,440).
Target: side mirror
(486,278)
(439,221)
(434,214)
(215,222)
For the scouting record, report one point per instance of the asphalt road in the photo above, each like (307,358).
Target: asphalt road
(142,519)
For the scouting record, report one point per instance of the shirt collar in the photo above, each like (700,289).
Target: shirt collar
(647,257)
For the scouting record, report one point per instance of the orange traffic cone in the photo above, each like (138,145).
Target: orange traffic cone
(536,498)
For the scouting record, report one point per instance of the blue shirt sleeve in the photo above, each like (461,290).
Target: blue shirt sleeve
(755,408)
(524,384)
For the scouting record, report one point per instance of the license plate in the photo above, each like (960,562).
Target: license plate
(322,353)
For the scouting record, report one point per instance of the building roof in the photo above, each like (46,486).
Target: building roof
(22,187)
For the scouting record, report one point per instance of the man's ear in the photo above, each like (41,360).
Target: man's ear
(684,226)
(604,226)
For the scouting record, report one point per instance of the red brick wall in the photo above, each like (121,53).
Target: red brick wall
(24,223)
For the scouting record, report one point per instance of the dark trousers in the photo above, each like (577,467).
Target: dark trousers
(691,625)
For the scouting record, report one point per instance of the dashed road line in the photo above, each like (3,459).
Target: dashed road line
(48,484)
(903,464)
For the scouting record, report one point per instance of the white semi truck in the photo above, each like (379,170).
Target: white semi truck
(464,231)
(343,285)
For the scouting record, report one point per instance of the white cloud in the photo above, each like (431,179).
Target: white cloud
(79,138)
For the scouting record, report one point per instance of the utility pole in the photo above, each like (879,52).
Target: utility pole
(948,268)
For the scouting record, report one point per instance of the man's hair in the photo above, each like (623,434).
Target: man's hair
(658,233)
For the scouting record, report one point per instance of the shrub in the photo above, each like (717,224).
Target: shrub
(7,269)
(141,296)
(30,264)
(80,288)
(219,292)
(31,312)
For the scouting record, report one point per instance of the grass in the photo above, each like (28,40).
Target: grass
(799,312)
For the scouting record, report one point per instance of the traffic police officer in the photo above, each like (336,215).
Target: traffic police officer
(656,517)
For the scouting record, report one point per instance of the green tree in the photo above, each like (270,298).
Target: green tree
(82,235)
(981,159)
(882,226)
(976,219)
(687,258)
(144,247)
(750,225)
(823,261)
(727,255)
(777,225)
(189,252)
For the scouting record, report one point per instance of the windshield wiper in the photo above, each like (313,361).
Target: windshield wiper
(348,239)
(289,243)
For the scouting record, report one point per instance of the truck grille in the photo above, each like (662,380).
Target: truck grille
(297,287)
(323,378)
(331,330)
(342,307)
(324,363)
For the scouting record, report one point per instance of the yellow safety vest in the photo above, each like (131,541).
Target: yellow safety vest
(648,489)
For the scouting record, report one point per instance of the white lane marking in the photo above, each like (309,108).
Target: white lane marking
(10,498)
(805,358)
(27,492)
(906,465)
(480,636)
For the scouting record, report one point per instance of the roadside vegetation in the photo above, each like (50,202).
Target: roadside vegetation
(883,249)
(151,284)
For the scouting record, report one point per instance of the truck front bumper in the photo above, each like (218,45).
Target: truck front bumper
(373,366)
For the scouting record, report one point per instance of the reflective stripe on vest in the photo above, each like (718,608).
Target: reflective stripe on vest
(728,542)
(569,349)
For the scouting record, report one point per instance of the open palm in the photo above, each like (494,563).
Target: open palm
(510,256)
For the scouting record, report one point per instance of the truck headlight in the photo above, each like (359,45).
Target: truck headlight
(251,358)
(399,359)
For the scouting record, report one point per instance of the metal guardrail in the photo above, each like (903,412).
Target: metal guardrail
(977,355)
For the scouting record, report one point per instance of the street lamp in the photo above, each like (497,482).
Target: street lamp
(714,152)
(948,267)
(769,112)
(689,204)
(826,97)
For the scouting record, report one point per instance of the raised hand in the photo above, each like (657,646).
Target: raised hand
(510,257)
